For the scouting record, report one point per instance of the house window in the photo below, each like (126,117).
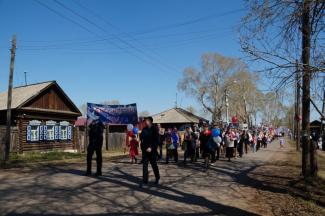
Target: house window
(64,132)
(49,130)
(34,133)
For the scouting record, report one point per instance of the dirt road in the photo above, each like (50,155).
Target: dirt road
(253,185)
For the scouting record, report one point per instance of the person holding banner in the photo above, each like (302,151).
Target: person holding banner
(149,139)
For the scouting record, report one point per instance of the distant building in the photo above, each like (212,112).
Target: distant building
(177,117)
(315,126)
(43,116)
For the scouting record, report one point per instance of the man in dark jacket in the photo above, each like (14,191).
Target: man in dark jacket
(95,145)
(149,138)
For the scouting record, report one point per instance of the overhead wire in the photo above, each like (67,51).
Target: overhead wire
(118,38)
(91,32)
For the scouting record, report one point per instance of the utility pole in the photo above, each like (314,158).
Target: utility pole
(307,149)
(322,119)
(25,73)
(297,117)
(11,75)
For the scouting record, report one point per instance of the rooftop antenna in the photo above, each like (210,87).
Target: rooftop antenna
(25,73)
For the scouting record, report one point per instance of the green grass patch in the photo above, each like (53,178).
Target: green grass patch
(32,157)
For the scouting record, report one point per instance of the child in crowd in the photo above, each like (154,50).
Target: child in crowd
(134,144)
(281,142)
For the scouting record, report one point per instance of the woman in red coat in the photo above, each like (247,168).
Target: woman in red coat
(134,144)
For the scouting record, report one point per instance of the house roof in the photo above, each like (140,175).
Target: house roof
(23,94)
(176,115)
(81,121)
(316,123)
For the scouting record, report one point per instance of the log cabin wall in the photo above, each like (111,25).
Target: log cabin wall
(41,145)
(49,106)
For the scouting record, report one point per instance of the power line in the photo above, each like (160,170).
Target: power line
(178,43)
(86,29)
(98,41)
(118,38)
(189,22)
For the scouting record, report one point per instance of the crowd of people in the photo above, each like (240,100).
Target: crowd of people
(206,142)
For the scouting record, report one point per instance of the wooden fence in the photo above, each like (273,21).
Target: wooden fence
(14,146)
(111,141)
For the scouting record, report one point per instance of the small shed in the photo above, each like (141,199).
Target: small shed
(44,116)
(177,117)
(316,126)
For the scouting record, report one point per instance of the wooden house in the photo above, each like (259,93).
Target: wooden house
(44,116)
(177,117)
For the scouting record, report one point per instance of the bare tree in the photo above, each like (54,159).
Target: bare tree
(244,97)
(278,33)
(208,84)
(191,109)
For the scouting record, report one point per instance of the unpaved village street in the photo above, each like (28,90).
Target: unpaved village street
(252,185)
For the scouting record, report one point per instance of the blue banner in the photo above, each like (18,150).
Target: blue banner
(112,114)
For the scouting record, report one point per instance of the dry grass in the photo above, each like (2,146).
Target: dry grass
(321,164)
(54,157)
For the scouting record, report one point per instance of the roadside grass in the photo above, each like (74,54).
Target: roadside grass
(312,189)
(321,164)
(33,157)
(55,157)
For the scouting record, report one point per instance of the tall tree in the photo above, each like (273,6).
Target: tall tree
(244,97)
(278,33)
(191,109)
(208,84)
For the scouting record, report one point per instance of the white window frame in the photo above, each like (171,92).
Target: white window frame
(50,128)
(34,130)
(64,130)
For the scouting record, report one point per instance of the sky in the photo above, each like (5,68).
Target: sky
(133,51)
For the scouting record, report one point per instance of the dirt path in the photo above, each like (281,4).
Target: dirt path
(254,185)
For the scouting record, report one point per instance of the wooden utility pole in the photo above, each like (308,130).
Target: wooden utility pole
(25,73)
(308,168)
(9,98)
(322,118)
(297,116)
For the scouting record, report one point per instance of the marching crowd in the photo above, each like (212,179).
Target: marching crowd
(207,142)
